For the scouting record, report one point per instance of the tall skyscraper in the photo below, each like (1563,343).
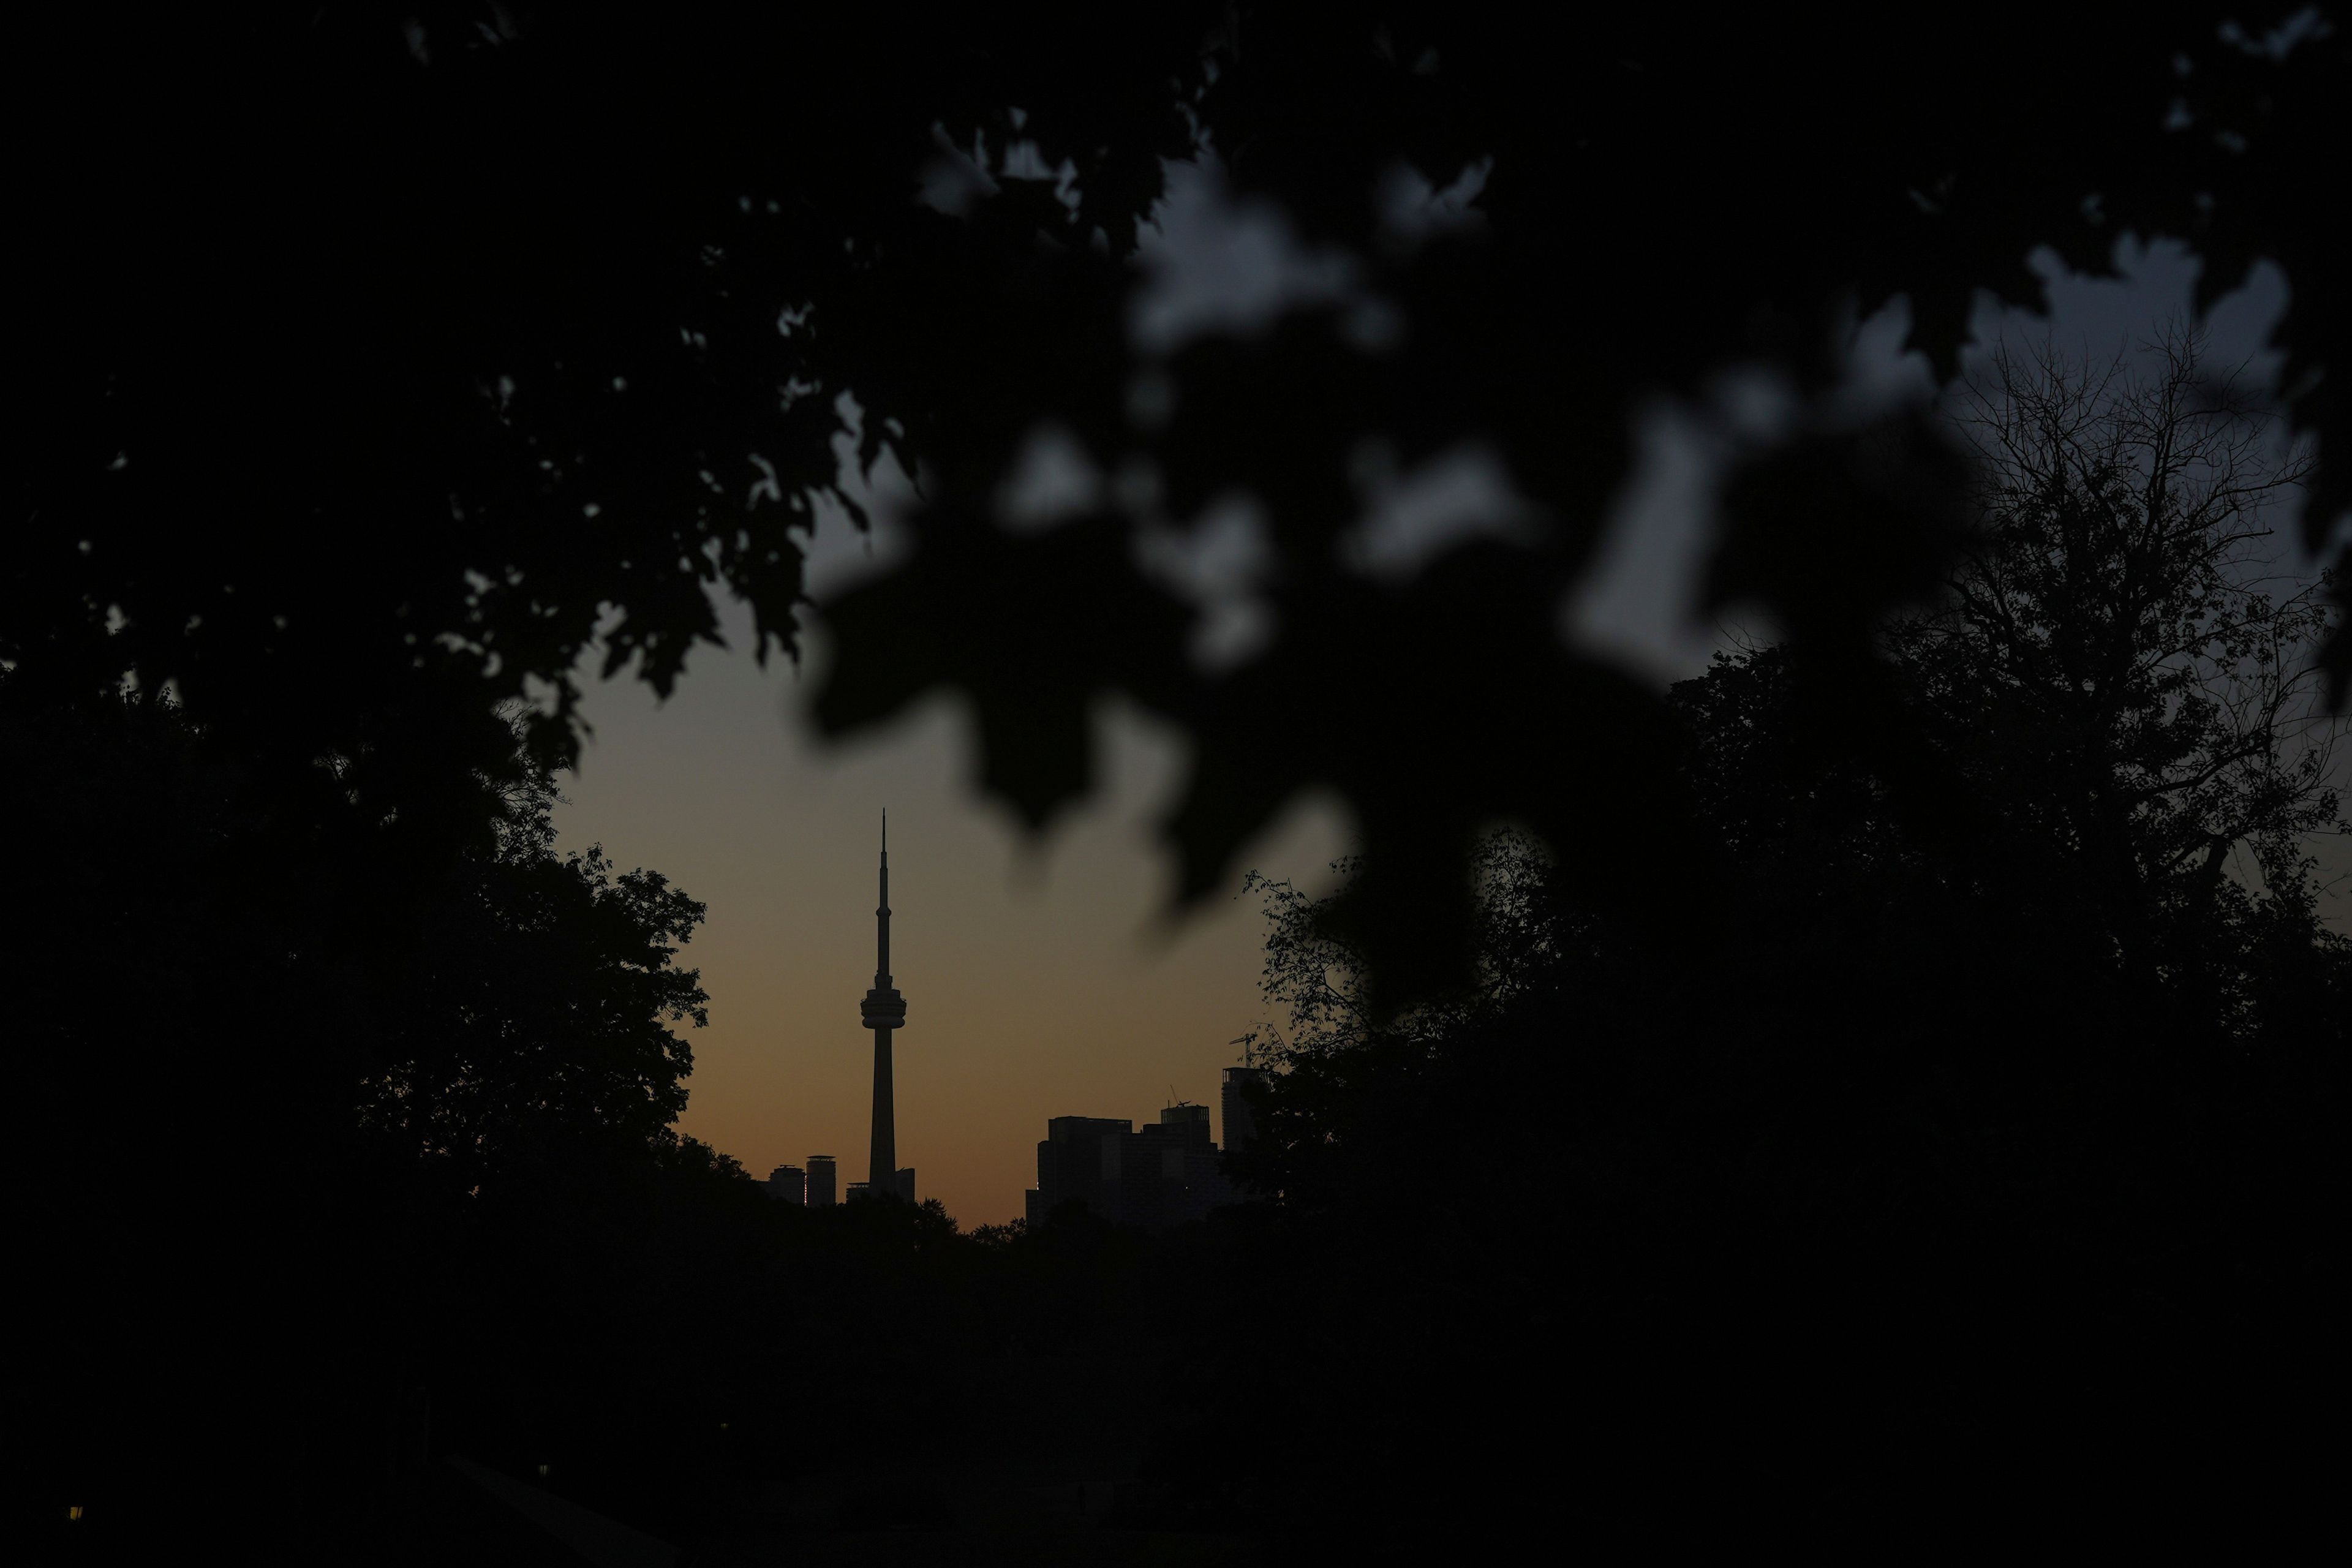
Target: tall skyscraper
(820,1182)
(882,1011)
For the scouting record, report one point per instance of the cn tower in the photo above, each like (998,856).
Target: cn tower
(883,1010)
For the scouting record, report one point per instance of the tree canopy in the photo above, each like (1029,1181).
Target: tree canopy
(1985,1074)
(549,321)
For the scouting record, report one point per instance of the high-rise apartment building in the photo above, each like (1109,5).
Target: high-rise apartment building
(1070,1163)
(820,1182)
(907,1182)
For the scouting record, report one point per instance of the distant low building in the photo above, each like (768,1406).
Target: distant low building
(907,1182)
(820,1182)
(789,1183)
(857,1191)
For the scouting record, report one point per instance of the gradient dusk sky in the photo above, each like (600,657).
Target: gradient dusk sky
(1041,980)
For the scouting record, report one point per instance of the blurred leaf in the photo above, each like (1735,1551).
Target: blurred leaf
(1831,531)
(1032,629)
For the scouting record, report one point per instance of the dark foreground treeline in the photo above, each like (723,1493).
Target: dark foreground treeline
(346,1150)
(1948,1144)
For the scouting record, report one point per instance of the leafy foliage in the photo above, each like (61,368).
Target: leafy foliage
(1969,1081)
(285,1061)
(1317,977)
(554,320)
(537,1014)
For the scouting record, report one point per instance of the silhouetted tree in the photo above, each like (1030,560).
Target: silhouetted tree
(1341,1047)
(535,1012)
(2125,673)
(2115,694)
(282,1052)
(1931,1111)
(1316,972)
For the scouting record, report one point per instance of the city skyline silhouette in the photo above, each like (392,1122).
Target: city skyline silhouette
(1628,727)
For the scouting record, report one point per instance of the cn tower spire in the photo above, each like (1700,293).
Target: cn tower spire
(883,1011)
(882,913)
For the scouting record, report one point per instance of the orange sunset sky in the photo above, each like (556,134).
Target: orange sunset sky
(1040,979)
